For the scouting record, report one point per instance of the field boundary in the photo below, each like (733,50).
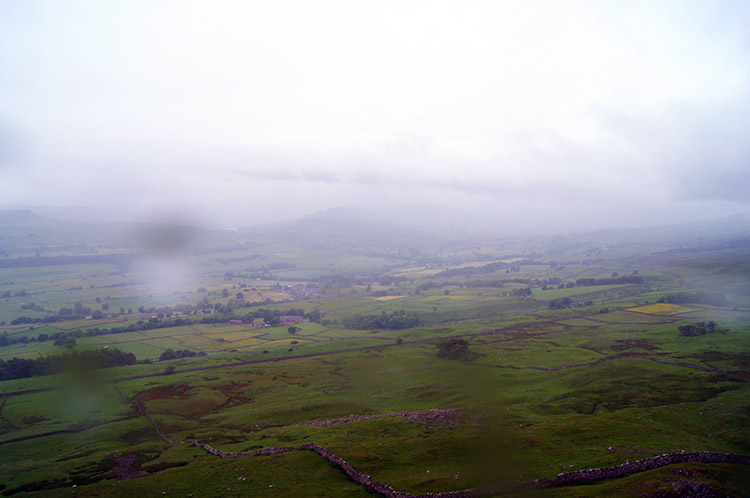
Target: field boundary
(563,479)
(379,346)
(366,481)
(67,431)
(626,356)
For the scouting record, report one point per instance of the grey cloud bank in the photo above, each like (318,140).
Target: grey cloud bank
(583,115)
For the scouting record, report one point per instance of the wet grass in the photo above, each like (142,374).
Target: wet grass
(513,425)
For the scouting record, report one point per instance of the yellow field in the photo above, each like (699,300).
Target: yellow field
(388,298)
(101,339)
(663,309)
(234,336)
(420,271)
(129,336)
(476,264)
(438,297)
(343,333)
(207,328)
(279,342)
(245,343)
(28,355)
(204,343)
(275,296)
(78,324)
(579,322)
(168,332)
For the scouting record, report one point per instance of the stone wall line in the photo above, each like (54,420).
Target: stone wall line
(563,479)
(625,357)
(158,431)
(628,468)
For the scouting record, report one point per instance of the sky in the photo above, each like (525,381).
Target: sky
(558,115)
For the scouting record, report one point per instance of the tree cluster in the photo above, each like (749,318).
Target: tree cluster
(628,279)
(394,320)
(20,368)
(122,261)
(522,292)
(566,302)
(698,328)
(171,354)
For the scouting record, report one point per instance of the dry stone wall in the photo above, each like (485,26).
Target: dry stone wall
(564,479)
(596,474)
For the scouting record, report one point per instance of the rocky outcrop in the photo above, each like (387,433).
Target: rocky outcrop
(444,416)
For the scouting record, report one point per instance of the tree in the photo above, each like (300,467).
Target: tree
(314,315)
(169,354)
(293,330)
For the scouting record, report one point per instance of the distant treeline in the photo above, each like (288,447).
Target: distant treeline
(395,320)
(473,270)
(628,279)
(122,261)
(272,266)
(227,261)
(700,297)
(480,283)
(21,368)
(171,354)
(332,282)
(270,317)
(79,312)
(566,302)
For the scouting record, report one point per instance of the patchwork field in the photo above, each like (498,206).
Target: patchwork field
(664,309)
(512,414)
(630,316)
(474,371)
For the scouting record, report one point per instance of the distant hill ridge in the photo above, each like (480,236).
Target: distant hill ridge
(24,218)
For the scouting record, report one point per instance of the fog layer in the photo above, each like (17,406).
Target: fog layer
(544,114)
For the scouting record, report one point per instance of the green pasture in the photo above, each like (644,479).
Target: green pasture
(533,396)
(527,416)
(548,295)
